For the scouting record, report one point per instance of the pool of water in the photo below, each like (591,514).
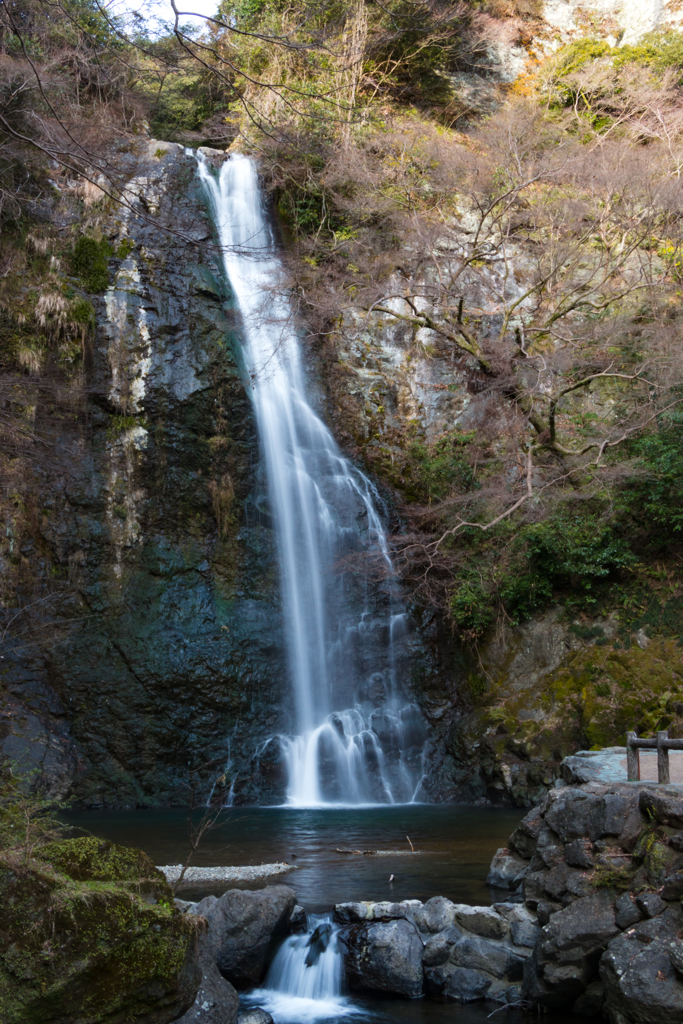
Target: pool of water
(454,847)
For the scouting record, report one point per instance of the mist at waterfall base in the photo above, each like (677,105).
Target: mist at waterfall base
(356,738)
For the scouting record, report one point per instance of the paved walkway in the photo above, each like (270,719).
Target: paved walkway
(609,765)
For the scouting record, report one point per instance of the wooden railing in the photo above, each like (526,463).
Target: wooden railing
(662,744)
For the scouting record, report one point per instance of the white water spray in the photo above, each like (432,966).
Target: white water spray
(352,726)
(304,983)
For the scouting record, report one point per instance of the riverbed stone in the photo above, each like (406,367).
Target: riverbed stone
(384,956)
(243,927)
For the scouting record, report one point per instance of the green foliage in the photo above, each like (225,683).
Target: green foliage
(579,53)
(89,261)
(657,50)
(472,609)
(655,498)
(125,246)
(440,466)
(82,312)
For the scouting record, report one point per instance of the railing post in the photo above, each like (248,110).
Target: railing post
(663,758)
(632,758)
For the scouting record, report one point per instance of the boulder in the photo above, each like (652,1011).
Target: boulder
(458,983)
(243,927)
(524,839)
(385,956)
(663,807)
(90,933)
(641,983)
(437,913)
(565,960)
(627,912)
(583,927)
(351,913)
(483,921)
(507,870)
(216,1001)
(437,948)
(494,958)
(255,1016)
(650,904)
(579,853)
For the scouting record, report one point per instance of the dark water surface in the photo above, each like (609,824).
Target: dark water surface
(455,845)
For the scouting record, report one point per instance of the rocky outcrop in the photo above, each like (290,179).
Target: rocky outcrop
(445,949)
(603,875)
(243,929)
(88,933)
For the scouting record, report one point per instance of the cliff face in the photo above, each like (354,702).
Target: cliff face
(147,538)
(169,645)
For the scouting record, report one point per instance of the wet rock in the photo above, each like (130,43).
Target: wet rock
(351,913)
(254,1016)
(507,870)
(298,922)
(242,928)
(384,957)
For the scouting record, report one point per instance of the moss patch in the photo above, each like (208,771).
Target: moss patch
(90,933)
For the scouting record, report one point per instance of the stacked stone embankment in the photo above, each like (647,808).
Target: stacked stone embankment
(602,868)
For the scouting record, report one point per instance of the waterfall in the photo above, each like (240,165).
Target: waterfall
(356,739)
(305,980)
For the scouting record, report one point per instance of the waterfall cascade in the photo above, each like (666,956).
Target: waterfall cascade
(305,980)
(356,739)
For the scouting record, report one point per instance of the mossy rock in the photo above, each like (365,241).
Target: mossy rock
(108,945)
(98,860)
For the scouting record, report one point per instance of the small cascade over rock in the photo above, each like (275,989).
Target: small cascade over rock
(356,739)
(305,980)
